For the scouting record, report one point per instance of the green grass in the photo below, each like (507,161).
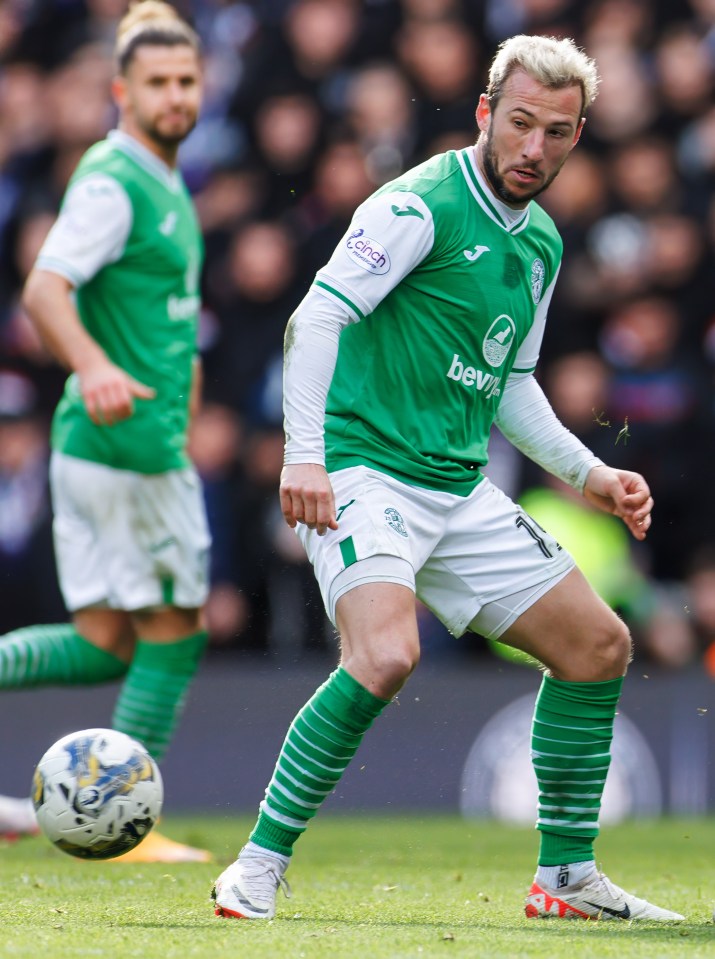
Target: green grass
(367,887)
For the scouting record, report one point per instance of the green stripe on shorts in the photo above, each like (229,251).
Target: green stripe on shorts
(167,590)
(347,551)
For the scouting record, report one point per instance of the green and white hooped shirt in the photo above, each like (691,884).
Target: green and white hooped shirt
(447,289)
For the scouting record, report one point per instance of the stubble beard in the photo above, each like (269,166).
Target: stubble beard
(167,141)
(497,182)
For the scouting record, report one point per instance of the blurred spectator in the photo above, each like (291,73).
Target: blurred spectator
(288,618)
(700,600)
(644,176)
(215,447)
(684,71)
(619,23)
(441,59)
(626,104)
(252,293)
(27,577)
(341,184)
(287,135)
(503,19)
(656,401)
(380,110)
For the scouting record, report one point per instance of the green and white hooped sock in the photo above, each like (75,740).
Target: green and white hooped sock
(54,655)
(152,697)
(571,752)
(320,743)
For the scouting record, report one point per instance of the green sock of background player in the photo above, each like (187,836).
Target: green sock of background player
(153,693)
(54,655)
(154,690)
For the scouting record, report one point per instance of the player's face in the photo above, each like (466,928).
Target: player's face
(526,138)
(160,96)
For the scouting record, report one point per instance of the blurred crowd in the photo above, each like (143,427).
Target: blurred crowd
(310,105)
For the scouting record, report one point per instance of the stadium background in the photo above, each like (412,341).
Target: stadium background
(309,106)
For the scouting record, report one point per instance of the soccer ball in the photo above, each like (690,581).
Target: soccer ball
(97,793)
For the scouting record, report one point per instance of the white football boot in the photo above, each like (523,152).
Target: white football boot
(596,897)
(247,888)
(17,818)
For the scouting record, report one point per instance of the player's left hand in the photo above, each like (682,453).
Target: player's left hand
(622,493)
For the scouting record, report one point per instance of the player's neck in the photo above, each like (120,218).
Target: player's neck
(166,153)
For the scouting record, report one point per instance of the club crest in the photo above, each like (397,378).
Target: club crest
(498,340)
(538,272)
(394,519)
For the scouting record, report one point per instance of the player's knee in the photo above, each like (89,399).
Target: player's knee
(383,671)
(396,666)
(611,649)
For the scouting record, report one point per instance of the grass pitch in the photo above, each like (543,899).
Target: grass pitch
(363,888)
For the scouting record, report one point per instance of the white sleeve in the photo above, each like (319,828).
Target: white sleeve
(91,230)
(528,355)
(311,352)
(526,419)
(390,234)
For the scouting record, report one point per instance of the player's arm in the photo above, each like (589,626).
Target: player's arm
(527,420)
(108,391)
(389,235)
(90,232)
(311,351)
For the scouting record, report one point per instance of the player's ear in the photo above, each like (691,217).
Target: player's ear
(577,135)
(119,91)
(484,113)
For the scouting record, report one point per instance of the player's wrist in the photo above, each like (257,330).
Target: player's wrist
(304,457)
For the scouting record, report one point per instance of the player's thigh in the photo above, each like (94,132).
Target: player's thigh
(167,624)
(574,632)
(491,550)
(385,531)
(378,634)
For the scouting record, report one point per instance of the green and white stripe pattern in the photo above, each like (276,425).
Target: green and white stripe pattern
(571,753)
(152,698)
(54,655)
(320,743)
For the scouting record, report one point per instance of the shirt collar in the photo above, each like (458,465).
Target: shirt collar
(508,214)
(150,161)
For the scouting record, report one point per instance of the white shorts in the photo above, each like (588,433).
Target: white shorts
(128,540)
(476,561)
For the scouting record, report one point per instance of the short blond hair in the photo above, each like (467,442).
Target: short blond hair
(553,62)
(153,23)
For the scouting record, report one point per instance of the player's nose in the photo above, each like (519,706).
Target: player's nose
(533,147)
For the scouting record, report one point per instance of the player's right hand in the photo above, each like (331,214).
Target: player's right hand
(307,497)
(109,392)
